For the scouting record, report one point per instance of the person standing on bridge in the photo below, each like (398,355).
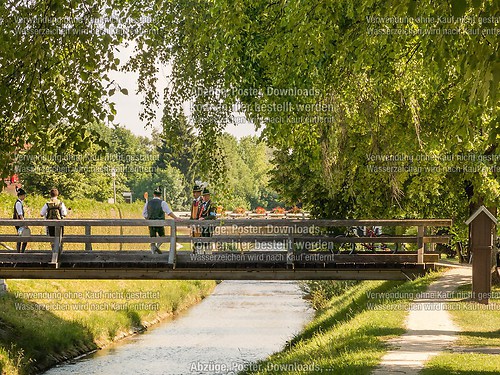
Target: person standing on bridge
(156,209)
(208,211)
(19,215)
(195,210)
(54,209)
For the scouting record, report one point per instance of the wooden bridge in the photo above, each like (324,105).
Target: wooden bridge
(239,249)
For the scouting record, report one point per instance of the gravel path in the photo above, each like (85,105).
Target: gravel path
(430,329)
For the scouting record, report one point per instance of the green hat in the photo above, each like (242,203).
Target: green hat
(157,191)
(206,192)
(196,188)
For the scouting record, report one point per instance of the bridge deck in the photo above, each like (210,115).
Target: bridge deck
(218,265)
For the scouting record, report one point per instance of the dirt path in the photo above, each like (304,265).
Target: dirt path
(430,329)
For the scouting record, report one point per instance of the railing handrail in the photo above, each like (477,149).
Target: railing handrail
(231,222)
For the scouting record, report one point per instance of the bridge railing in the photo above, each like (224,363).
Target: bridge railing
(288,232)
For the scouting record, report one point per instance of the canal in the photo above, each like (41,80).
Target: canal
(239,323)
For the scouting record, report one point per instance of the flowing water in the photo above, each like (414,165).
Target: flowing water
(240,323)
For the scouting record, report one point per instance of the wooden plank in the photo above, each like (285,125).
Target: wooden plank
(420,244)
(433,239)
(323,223)
(222,257)
(34,238)
(282,256)
(114,239)
(104,257)
(290,249)
(233,238)
(173,245)
(91,222)
(201,274)
(27,257)
(88,232)
(299,238)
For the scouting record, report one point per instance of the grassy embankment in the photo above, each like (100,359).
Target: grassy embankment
(480,328)
(349,333)
(45,321)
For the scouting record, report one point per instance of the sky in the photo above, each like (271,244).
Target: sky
(128,106)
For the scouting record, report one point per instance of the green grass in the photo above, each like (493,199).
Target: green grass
(480,324)
(38,332)
(32,338)
(462,364)
(349,335)
(480,327)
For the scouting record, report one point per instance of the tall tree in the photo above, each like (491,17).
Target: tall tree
(54,62)
(179,149)
(338,85)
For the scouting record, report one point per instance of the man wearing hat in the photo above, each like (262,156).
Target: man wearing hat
(19,215)
(156,209)
(196,203)
(208,211)
(195,210)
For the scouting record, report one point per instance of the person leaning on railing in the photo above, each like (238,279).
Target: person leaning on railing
(156,209)
(19,215)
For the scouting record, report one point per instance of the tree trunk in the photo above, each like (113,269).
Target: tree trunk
(495,279)
(458,249)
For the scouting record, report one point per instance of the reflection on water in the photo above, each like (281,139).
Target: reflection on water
(241,322)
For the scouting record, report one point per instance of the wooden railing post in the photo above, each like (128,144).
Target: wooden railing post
(56,246)
(173,244)
(289,254)
(420,244)
(88,233)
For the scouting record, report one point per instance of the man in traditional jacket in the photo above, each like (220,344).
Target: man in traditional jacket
(19,215)
(195,212)
(208,211)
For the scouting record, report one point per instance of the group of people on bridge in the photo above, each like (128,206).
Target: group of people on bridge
(202,208)
(54,209)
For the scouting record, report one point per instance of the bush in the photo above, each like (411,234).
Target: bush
(321,291)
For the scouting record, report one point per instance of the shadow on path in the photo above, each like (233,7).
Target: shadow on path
(430,329)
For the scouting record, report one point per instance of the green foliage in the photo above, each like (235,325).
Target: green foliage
(170,180)
(245,178)
(333,85)
(322,291)
(370,93)
(89,174)
(179,149)
(53,76)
